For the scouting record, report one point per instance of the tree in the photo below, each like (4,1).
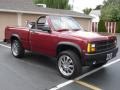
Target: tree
(111,10)
(58,4)
(98,7)
(87,11)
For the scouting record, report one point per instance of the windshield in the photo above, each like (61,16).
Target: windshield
(64,23)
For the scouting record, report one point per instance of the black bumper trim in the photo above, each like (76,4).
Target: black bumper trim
(98,57)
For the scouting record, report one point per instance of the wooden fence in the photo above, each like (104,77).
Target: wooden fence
(110,27)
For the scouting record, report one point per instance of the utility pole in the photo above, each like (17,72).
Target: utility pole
(72,4)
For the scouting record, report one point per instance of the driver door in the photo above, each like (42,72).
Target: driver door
(42,41)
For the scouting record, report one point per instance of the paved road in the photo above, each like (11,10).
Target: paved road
(33,72)
(36,72)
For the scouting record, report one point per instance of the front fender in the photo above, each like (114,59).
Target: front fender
(70,44)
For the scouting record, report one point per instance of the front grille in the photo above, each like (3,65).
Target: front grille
(105,45)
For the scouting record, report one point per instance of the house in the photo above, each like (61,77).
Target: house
(96,15)
(17,12)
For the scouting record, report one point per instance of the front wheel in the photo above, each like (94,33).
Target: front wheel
(69,64)
(17,49)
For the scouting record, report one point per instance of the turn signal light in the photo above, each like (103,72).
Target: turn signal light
(91,48)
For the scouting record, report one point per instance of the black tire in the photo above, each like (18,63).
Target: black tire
(76,62)
(19,53)
(99,65)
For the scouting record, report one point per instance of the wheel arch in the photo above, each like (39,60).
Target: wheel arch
(62,46)
(15,36)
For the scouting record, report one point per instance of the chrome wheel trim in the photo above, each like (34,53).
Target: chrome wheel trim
(15,46)
(65,65)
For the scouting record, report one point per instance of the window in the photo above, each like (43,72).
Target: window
(41,23)
(42,20)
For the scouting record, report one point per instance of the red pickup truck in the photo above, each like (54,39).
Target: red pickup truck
(62,37)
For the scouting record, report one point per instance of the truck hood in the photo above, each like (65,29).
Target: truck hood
(89,36)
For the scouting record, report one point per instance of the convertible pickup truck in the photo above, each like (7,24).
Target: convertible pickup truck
(63,38)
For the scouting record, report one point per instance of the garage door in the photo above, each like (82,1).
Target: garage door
(7,19)
(85,23)
(29,17)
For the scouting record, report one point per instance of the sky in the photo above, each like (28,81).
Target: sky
(79,5)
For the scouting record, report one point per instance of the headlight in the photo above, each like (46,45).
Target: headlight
(91,48)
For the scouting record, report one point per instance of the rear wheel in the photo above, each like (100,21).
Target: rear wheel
(17,49)
(69,64)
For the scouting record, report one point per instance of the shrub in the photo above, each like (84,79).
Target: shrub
(118,27)
(101,26)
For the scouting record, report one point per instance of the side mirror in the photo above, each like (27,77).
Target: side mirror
(31,25)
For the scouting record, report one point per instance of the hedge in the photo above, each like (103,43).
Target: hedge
(101,26)
(118,27)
